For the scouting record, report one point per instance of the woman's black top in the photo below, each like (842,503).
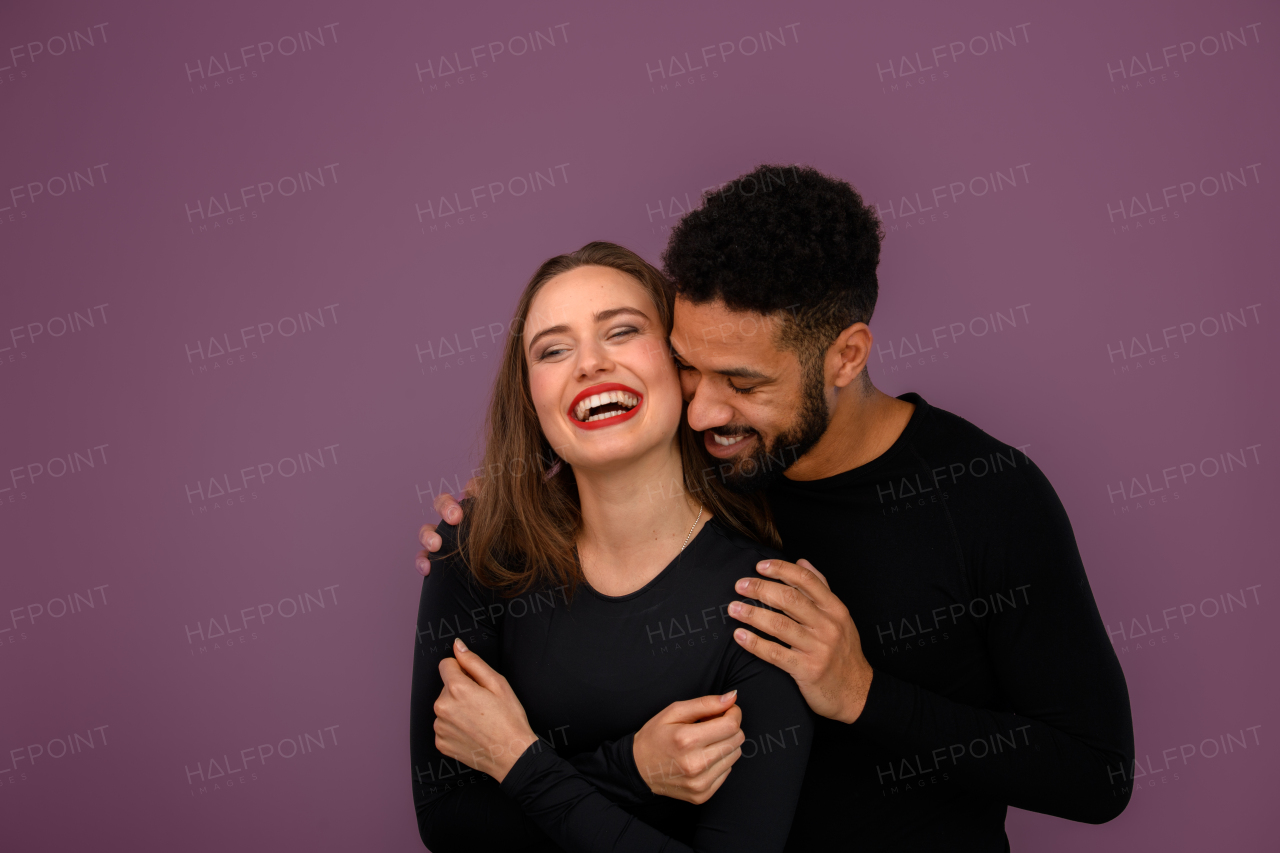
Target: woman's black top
(590,670)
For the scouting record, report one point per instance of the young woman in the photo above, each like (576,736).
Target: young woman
(591,579)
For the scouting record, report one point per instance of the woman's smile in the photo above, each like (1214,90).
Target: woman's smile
(605,404)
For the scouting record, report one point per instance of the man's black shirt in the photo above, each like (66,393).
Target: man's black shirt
(995,683)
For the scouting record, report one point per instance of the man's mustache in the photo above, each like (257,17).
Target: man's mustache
(730,430)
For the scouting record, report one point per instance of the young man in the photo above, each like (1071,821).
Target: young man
(942,625)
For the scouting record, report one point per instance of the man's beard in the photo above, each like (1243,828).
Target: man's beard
(765,466)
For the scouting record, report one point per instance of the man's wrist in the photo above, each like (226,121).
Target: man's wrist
(856,701)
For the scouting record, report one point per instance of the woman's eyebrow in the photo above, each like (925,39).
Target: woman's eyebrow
(550,330)
(610,313)
(599,316)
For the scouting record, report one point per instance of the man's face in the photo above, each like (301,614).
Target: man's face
(757,409)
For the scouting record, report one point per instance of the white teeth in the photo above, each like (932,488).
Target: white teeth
(726,442)
(622,398)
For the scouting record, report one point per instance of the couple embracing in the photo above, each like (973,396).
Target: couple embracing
(716,592)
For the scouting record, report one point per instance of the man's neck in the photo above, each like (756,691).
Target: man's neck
(863,426)
(634,520)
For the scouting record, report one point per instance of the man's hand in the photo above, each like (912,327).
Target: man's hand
(688,749)
(451,511)
(825,657)
(479,720)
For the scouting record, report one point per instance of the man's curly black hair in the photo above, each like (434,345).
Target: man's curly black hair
(782,239)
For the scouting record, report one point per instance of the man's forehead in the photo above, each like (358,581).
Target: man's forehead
(711,325)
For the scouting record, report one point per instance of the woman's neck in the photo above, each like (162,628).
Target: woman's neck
(635,520)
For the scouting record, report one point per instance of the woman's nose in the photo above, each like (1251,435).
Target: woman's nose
(593,359)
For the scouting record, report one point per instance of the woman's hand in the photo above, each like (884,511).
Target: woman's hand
(688,749)
(479,720)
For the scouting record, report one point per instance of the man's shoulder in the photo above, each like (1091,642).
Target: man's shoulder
(947,434)
(945,430)
(972,462)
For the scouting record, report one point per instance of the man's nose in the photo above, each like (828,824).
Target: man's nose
(705,412)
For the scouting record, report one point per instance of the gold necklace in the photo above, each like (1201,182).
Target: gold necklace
(695,524)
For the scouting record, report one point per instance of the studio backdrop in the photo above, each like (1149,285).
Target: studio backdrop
(260,260)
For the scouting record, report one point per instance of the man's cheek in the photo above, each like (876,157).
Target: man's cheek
(758,419)
(688,385)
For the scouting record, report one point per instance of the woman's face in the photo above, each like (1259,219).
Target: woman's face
(600,371)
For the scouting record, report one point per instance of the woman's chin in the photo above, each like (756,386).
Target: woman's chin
(605,460)
(610,452)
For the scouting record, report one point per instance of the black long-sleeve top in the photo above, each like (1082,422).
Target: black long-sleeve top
(590,671)
(995,683)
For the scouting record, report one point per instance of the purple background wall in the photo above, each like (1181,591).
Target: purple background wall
(1078,252)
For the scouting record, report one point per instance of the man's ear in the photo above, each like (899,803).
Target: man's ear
(848,356)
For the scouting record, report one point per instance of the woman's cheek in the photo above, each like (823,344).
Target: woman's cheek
(544,389)
(653,363)
(551,427)
(659,352)
(545,404)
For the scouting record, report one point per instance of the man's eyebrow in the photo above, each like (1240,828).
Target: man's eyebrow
(599,317)
(743,373)
(732,372)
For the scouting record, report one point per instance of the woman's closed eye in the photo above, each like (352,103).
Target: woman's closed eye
(625,331)
(616,335)
(551,352)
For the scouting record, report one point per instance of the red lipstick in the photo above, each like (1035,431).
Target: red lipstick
(603,388)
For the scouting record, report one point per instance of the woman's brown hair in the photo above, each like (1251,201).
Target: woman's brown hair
(519,532)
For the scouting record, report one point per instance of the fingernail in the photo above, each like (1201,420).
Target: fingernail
(764,566)
(423,565)
(742,585)
(454,515)
(460,646)
(740,635)
(735,608)
(728,696)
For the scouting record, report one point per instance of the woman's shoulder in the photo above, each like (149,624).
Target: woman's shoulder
(453,537)
(735,548)
(450,537)
(449,560)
